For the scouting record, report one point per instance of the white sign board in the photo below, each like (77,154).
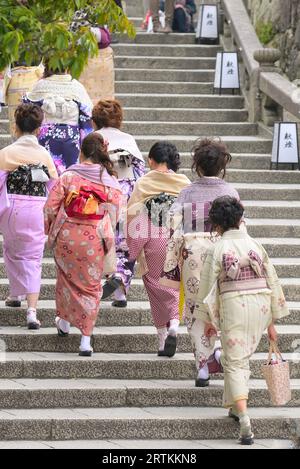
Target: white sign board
(285,143)
(227,71)
(207,26)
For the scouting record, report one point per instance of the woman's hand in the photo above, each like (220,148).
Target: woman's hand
(210,330)
(272,333)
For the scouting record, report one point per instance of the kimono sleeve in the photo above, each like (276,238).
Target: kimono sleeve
(279,307)
(55,199)
(171,275)
(207,306)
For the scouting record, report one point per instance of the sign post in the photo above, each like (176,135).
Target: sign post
(227,75)
(285,145)
(207,31)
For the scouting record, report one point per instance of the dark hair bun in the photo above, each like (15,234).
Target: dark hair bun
(226,212)
(29,117)
(210,157)
(165,152)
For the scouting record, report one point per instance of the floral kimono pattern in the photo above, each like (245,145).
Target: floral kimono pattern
(80,248)
(240,294)
(63,141)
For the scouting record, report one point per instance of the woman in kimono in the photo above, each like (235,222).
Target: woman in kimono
(190,241)
(129,164)
(25,169)
(80,216)
(148,234)
(239,294)
(67,108)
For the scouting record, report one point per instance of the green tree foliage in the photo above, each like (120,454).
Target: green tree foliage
(35,30)
(265,32)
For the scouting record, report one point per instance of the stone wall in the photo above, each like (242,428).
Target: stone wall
(284,15)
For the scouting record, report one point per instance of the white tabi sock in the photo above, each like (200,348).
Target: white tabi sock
(245,425)
(31,315)
(218,354)
(64,325)
(162,335)
(203,373)
(85,343)
(173,329)
(120,294)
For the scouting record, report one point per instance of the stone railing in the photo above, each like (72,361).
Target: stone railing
(267,92)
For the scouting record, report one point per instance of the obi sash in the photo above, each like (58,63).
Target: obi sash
(85,204)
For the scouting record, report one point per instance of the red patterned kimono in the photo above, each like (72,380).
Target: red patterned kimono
(80,247)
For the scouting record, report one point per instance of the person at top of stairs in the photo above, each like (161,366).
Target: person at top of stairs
(169,11)
(130,166)
(78,222)
(239,294)
(148,234)
(25,168)
(190,241)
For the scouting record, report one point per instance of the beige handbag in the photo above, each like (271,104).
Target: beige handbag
(277,375)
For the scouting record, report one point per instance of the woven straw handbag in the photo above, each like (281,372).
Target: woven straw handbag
(277,375)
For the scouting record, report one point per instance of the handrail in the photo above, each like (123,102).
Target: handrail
(243,32)
(282,91)
(264,77)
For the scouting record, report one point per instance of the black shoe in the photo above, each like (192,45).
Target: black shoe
(161,353)
(119,304)
(170,346)
(12,303)
(110,286)
(247,440)
(85,353)
(33,326)
(202,383)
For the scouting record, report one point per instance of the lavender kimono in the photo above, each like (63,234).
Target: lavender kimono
(186,253)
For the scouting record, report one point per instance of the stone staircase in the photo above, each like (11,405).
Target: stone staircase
(125,393)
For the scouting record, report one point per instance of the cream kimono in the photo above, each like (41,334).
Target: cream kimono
(186,254)
(241,295)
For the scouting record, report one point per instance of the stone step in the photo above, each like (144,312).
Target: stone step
(192,128)
(5,139)
(152,423)
(272,209)
(137,313)
(283,179)
(161,39)
(135,10)
(180,101)
(281,247)
(162,87)
(46,365)
(142,339)
(185,144)
(182,115)
(95,393)
(276,247)
(149,74)
(244,161)
(285,267)
(137,292)
(266,228)
(171,50)
(187,63)
(283,192)
(146,444)
(136,21)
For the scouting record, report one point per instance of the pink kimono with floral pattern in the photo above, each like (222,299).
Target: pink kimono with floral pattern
(80,247)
